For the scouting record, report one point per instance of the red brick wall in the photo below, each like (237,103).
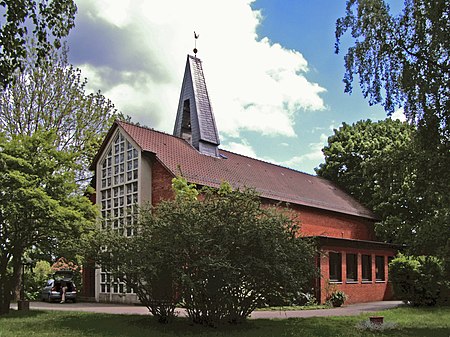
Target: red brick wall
(88,279)
(325,223)
(359,291)
(161,183)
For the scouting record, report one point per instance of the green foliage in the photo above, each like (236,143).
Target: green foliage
(41,208)
(44,174)
(52,96)
(382,165)
(337,298)
(401,60)
(222,254)
(369,160)
(418,280)
(183,189)
(47,21)
(36,278)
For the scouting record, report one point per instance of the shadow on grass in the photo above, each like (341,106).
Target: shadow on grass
(138,326)
(422,332)
(20,314)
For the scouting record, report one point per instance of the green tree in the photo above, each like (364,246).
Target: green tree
(222,254)
(402,60)
(48,21)
(40,203)
(381,165)
(52,96)
(371,161)
(419,280)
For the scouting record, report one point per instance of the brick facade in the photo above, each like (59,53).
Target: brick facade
(357,290)
(161,183)
(316,222)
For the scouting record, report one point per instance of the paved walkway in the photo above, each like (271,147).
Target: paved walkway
(347,310)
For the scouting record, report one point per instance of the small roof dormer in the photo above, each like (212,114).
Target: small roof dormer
(195,119)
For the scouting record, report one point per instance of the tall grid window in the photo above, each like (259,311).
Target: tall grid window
(119,196)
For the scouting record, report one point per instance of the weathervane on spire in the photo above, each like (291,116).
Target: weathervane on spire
(195,46)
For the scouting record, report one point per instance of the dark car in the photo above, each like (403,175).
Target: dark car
(53,290)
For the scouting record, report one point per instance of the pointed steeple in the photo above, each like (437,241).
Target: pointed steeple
(195,119)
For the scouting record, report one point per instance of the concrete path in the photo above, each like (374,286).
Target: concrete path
(347,310)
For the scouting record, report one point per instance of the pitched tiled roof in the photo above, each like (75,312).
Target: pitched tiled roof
(271,181)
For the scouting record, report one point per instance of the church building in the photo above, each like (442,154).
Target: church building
(135,165)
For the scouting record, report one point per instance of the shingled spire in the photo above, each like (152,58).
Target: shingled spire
(195,119)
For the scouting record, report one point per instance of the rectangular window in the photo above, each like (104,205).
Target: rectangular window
(335,264)
(379,268)
(366,261)
(352,267)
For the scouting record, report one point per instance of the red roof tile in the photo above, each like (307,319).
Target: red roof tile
(271,181)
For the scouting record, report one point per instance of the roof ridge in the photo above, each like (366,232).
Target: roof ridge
(147,128)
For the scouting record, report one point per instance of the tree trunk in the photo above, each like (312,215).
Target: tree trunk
(9,281)
(5,297)
(17,287)
(5,288)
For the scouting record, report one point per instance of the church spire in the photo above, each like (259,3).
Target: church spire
(195,119)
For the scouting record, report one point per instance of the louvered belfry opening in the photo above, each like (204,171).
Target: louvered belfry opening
(186,127)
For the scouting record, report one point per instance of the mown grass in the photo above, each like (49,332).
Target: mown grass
(428,322)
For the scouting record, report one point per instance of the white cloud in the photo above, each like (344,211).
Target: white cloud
(313,155)
(399,114)
(254,85)
(243,148)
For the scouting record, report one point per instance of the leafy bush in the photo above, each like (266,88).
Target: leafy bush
(306,299)
(222,254)
(36,278)
(418,280)
(337,298)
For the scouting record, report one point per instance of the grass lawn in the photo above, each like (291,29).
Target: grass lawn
(426,322)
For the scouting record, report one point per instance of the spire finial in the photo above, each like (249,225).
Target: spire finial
(195,46)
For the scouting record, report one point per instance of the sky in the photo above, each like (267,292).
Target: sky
(274,81)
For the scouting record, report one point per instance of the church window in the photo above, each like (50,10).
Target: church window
(119,196)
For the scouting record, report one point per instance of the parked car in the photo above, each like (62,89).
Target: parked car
(53,290)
